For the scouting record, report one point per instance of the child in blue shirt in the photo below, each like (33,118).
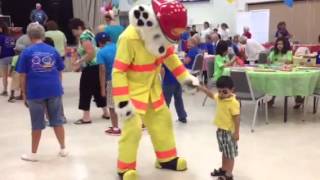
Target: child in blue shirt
(105,59)
(7,45)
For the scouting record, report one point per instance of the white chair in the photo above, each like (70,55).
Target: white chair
(316,96)
(244,92)
(197,65)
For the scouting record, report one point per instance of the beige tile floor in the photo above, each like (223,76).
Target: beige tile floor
(276,151)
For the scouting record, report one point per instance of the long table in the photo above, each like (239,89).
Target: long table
(285,84)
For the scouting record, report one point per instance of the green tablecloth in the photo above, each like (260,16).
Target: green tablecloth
(280,83)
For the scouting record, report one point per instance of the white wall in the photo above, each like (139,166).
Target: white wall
(215,12)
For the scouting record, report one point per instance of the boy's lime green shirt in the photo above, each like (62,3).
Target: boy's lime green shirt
(14,61)
(280,58)
(226,110)
(219,66)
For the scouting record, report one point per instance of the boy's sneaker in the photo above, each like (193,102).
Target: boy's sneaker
(4,93)
(113,131)
(30,157)
(63,153)
(225,177)
(12,99)
(218,173)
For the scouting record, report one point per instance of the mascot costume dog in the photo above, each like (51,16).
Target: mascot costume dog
(143,47)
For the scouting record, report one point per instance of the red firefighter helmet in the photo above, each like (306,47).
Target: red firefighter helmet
(172,17)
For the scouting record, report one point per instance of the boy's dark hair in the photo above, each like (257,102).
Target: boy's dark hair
(75,23)
(49,41)
(229,42)
(222,47)
(52,25)
(224,82)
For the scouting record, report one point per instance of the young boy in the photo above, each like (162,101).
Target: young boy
(105,59)
(227,120)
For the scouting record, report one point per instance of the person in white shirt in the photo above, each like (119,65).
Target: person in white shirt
(224,32)
(252,49)
(206,31)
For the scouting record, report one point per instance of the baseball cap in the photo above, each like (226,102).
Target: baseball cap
(102,36)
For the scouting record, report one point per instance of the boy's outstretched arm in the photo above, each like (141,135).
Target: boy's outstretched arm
(206,91)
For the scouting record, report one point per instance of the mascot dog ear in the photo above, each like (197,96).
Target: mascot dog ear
(143,18)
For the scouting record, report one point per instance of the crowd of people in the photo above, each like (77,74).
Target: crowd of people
(35,62)
(229,50)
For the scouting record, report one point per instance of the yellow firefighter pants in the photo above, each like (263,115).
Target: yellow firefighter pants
(160,128)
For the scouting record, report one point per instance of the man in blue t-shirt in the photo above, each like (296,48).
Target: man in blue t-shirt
(38,15)
(210,47)
(40,67)
(105,59)
(191,55)
(171,87)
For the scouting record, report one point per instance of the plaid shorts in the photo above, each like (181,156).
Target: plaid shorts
(110,102)
(227,145)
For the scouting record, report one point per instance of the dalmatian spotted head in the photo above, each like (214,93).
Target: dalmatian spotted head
(159,25)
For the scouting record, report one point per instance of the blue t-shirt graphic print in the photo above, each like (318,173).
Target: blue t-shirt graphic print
(42,65)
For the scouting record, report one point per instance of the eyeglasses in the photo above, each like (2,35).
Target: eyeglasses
(223,91)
